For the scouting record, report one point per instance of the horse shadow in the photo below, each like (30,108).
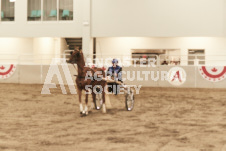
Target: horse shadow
(111,111)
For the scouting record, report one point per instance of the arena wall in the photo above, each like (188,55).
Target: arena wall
(36,74)
(117,46)
(214,46)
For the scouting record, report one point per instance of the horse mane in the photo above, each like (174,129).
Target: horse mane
(92,69)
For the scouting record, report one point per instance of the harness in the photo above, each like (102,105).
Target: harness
(82,77)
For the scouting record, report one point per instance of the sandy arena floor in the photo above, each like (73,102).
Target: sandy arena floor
(164,119)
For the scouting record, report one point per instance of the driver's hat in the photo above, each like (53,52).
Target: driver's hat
(114,61)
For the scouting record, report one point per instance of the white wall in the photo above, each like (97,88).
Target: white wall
(16,45)
(48,47)
(43,45)
(10,48)
(63,45)
(22,28)
(224,25)
(44,49)
(122,18)
(122,46)
(30,50)
(158,18)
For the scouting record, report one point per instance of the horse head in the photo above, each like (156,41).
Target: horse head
(76,55)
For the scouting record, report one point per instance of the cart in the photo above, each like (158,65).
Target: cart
(128,92)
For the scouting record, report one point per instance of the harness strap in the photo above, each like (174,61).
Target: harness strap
(81,77)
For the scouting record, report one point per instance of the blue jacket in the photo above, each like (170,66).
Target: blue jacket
(112,70)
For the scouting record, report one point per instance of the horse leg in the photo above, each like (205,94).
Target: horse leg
(103,96)
(80,100)
(94,100)
(86,106)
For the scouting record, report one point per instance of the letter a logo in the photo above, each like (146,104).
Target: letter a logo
(176,76)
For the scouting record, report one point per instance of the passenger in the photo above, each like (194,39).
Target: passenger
(115,73)
(164,63)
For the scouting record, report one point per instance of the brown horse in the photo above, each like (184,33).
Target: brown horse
(87,80)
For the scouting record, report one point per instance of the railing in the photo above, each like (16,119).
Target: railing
(31,59)
(184,60)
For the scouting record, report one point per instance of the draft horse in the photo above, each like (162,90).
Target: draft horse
(83,82)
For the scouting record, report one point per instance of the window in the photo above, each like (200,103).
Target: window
(34,10)
(50,10)
(142,56)
(7,10)
(66,10)
(196,54)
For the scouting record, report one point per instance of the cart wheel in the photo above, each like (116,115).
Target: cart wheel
(129,101)
(99,101)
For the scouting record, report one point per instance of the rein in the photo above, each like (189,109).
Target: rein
(80,77)
(79,67)
(75,69)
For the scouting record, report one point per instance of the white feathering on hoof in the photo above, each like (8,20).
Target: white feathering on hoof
(92,106)
(86,110)
(81,107)
(83,112)
(108,101)
(104,108)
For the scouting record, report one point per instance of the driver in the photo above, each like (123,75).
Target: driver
(115,73)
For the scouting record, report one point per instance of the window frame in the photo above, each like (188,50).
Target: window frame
(51,21)
(191,60)
(7,22)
